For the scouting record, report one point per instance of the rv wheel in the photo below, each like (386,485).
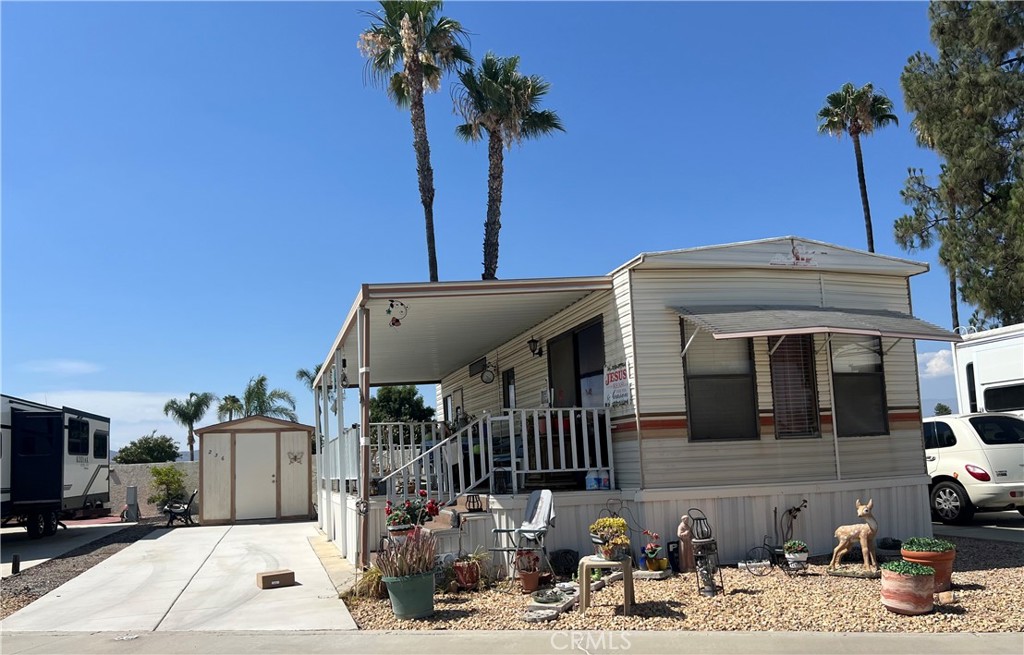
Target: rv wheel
(36,526)
(50,523)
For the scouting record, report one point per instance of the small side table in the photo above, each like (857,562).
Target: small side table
(591,562)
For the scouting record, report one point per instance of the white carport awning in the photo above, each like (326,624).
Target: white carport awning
(744,321)
(445,325)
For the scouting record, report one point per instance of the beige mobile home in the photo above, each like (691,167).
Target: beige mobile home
(735,379)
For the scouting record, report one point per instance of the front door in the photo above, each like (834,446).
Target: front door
(255,476)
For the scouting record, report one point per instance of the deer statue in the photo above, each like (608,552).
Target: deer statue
(863,532)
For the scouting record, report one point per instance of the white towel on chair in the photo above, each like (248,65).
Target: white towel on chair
(540,512)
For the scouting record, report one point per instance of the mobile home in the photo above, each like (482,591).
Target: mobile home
(736,379)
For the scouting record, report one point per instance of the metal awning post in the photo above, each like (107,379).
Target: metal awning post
(339,410)
(363,329)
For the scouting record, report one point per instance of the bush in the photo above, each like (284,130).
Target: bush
(928,545)
(149,448)
(908,568)
(168,485)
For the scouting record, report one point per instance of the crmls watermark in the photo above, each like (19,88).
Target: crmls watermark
(590,641)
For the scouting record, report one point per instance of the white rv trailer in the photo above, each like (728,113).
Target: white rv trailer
(989,368)
(56,463)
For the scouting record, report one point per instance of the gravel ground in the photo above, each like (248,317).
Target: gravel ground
(987,583)
(33,583)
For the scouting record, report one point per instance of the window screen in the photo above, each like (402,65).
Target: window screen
(78,437)
(721,402)
(794,396)
(859,386)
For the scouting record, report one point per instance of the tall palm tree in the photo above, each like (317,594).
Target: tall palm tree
(503,103)
(855,112)
(187,413)
(412,32)
(259,401)
(228,407)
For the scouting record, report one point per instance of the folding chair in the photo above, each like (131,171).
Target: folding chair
(531,534)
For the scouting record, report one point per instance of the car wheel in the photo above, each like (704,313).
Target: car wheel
(951,504)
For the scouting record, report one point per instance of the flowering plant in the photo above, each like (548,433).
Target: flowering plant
(413,511)
(607,528)
(653,548)
(794,546)
(527,561)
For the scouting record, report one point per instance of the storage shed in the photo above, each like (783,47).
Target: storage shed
(254,468)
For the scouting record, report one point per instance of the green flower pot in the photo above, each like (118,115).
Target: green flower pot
(412,597)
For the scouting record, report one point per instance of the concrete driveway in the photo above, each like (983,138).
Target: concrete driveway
(15,541)
(196,578)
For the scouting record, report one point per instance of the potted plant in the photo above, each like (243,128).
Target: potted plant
(936,553)
(652,552)
(609,536)
(796,552)
(528,569)
(402,517)
(408,571)
(469,569)
(907,587)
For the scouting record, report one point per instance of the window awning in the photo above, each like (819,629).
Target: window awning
(745,321)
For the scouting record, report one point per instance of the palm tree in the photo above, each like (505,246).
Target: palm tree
(856,111)
(427,45)
(308,377)
(503,103)
(229,406)
(187,413)
(258,401)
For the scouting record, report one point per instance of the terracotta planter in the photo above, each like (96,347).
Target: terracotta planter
(467,574)
(941,562)
(907,594)
(530,580)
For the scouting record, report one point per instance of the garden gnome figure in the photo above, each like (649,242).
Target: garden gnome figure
(685,534)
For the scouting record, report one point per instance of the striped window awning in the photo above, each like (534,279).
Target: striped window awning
(745,321)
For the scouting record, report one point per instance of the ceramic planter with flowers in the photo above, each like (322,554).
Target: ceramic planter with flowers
(652,552)
(936,553)
(796,553)
(609,535)
(403,516)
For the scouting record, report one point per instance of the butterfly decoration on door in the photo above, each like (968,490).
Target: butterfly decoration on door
(295,457)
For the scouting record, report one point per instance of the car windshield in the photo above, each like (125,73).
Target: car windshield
(996,430)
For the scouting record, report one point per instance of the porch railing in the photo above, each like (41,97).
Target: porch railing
(407,458)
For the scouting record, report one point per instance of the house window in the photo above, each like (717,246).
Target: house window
(78,437)
(858,384)
(794,397)
(576,366)
(508,389)
(721,401)
(449,410)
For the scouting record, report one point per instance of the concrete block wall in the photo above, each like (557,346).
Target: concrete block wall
(138,475)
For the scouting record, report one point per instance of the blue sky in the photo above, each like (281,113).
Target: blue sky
(192,192)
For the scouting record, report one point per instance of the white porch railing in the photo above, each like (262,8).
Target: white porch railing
(407,458)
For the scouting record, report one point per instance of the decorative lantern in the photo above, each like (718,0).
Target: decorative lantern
(705,555)
(473,503)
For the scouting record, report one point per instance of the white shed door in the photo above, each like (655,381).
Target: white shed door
(255,476)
